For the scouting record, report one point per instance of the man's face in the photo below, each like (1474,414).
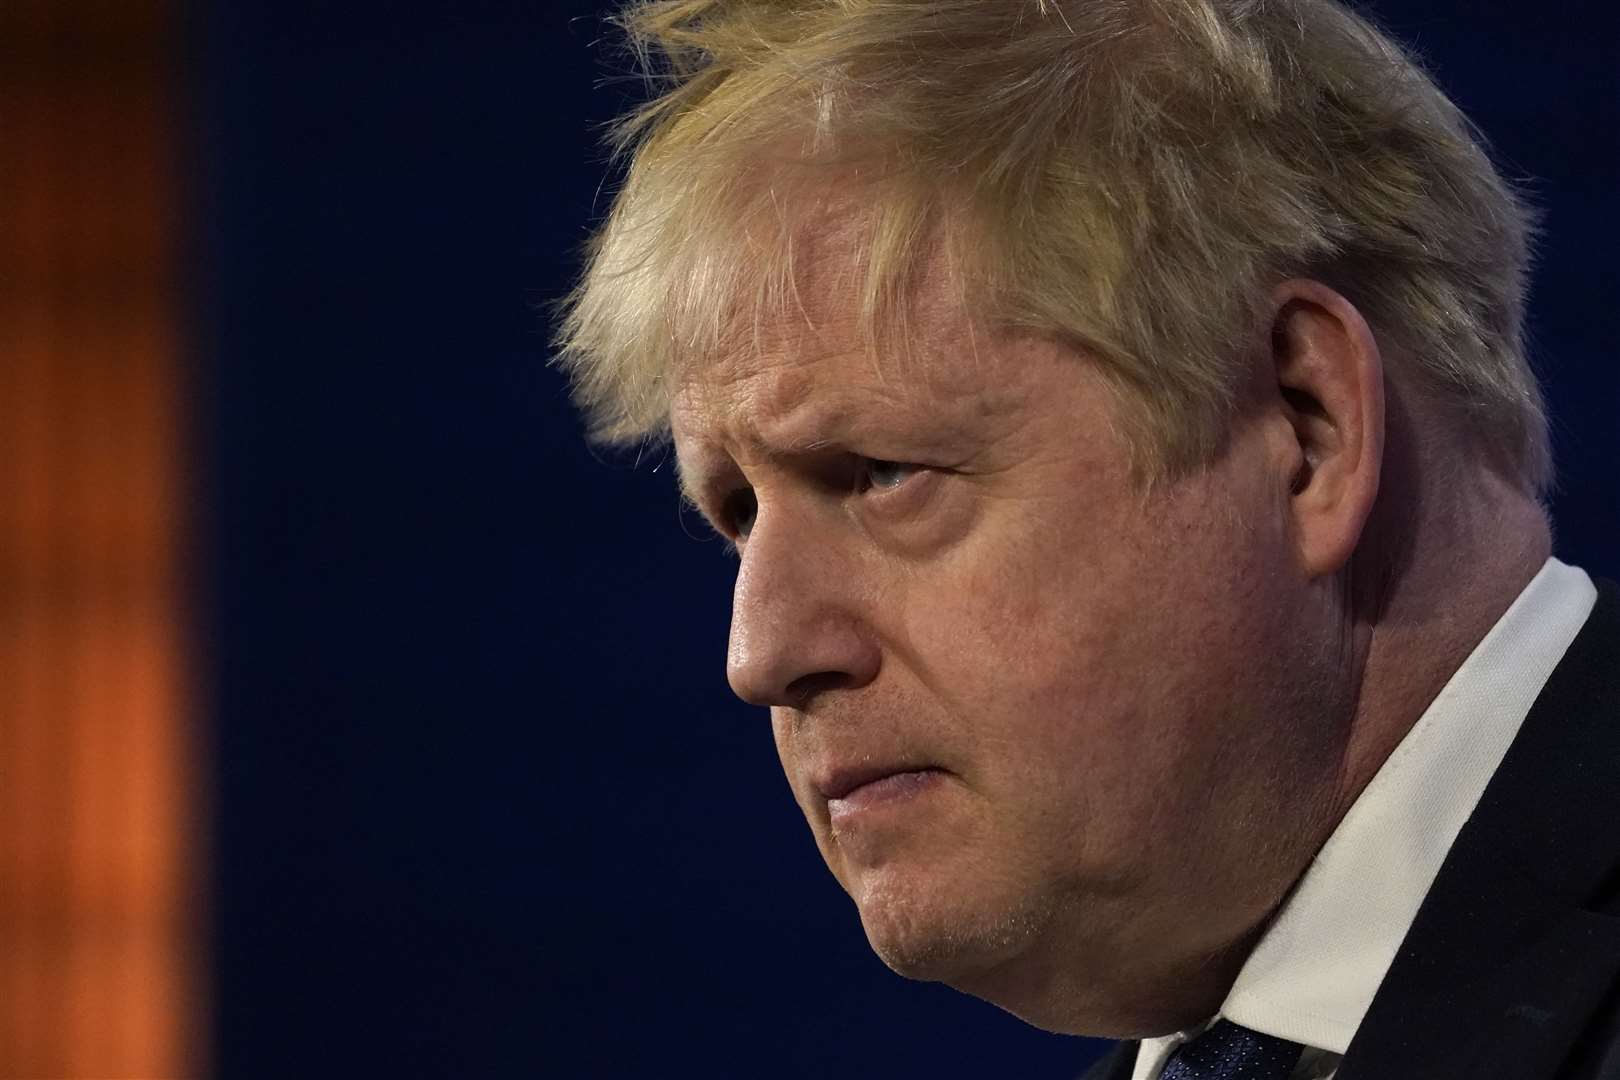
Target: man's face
(1062,744)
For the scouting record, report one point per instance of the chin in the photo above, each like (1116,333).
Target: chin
(993,960)
(941,935)
(1006,954)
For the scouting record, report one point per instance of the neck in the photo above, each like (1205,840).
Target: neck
(1421,597)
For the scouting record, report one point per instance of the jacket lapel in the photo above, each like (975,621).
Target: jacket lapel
(1517,944)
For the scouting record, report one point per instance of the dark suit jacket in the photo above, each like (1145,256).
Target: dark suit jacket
(1511,970)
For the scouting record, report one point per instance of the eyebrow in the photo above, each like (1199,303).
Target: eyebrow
(839,425)
(836,421)
(694,488)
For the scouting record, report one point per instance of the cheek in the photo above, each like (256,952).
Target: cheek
(1046,613)
(1033,652)
(1089,662)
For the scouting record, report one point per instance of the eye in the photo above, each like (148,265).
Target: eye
(738,511)
(882,475)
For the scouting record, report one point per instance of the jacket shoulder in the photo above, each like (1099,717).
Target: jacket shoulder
(1116,1064)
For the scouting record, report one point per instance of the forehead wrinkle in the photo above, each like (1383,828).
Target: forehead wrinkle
(749,396)
(719,424)
(790,405)
(802,428)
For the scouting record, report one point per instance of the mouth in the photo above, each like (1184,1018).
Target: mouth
(838,783)
(848,791)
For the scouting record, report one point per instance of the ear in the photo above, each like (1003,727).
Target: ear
(1328,376)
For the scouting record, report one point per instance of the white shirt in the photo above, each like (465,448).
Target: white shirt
(1314,972)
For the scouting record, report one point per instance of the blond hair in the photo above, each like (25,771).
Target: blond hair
(1130,176)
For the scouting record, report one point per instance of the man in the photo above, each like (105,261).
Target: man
(1119,413)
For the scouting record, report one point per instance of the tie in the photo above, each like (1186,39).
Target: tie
(1229,1052)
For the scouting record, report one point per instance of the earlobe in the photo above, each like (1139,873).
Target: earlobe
(1329,386)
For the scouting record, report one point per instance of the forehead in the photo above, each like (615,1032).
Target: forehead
(804,369)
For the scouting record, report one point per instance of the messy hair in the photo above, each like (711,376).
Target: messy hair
(1129,176)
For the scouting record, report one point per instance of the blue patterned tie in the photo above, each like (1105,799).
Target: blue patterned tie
(1229,1052)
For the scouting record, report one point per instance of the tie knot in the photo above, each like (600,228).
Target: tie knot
(1229,1052)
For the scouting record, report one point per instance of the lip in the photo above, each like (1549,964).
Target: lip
(886,793)
(837,783)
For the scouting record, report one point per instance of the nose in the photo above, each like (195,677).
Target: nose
(796,623)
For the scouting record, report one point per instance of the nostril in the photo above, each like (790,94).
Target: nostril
(806,687)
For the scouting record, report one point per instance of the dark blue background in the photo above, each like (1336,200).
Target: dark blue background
(484,805)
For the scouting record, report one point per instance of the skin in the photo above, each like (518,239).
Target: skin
(1142,714)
